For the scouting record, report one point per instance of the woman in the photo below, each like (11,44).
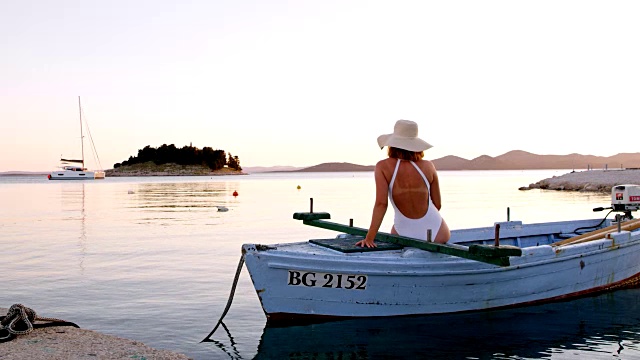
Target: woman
(411,184)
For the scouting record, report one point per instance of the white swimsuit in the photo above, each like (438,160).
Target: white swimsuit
(415,228)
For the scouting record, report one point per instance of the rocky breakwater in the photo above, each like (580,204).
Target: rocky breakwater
(588,181)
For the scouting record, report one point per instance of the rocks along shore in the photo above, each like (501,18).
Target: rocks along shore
(588,181)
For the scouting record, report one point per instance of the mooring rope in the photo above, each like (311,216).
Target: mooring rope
(233,290)
(20,315)
(233,353)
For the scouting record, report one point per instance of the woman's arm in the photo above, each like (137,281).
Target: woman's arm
(379,207)
(435,189)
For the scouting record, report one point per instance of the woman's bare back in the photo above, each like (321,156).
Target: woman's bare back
(409,191)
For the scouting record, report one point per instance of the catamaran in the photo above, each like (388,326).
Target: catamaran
(69,171)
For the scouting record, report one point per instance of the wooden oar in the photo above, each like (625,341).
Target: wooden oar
(496,255)
(600,233)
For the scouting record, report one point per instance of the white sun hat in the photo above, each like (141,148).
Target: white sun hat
(405,136)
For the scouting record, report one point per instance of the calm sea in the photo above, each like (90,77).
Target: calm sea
(152,259)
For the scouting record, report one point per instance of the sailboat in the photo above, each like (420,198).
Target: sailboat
(68,170)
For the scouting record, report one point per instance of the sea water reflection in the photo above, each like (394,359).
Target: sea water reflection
(179,203)
(603,326)
(74,215)
(152,259)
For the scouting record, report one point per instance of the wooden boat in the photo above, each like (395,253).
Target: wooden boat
(509,265)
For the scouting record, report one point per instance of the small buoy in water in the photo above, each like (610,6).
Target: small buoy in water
(222,208)
(130,192)
(299,187)
(235,193)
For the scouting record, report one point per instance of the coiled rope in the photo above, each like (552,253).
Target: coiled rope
(233,290)
(20,321)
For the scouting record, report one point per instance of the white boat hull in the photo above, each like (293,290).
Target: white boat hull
(304,280)
(76,175)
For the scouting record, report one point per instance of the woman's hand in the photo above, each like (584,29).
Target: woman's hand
(366,243)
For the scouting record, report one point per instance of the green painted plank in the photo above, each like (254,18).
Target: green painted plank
(495,251)
(311,216)
(496,257)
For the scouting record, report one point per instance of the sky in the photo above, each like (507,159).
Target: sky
(299,83)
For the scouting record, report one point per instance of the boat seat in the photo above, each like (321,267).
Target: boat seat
(348,244)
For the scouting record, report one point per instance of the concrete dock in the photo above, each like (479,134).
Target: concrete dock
(68,342)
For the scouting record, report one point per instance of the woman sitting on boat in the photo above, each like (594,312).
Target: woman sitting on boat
(411,184)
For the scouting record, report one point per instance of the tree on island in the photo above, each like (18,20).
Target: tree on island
(234,162)
(187,155)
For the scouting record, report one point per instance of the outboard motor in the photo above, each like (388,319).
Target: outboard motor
(625,199)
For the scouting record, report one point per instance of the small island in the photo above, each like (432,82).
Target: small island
(168,160)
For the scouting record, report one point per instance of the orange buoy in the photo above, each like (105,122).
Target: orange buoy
(235,193)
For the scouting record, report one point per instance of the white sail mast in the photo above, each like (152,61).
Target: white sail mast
(81,135)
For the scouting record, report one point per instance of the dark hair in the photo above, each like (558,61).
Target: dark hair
(403,154)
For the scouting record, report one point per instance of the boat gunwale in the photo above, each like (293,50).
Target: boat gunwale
(599,246)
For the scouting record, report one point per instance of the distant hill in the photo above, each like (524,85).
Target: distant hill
(262,169)
(23,173)
(522,160)
(336,167)
(513,160)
